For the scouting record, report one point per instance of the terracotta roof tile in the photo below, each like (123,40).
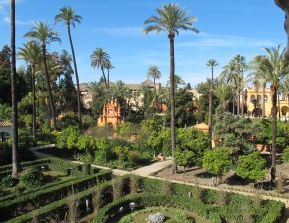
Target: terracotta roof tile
(5,124)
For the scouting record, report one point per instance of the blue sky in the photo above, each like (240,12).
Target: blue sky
(227,28)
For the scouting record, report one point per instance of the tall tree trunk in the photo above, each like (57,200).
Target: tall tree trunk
(51,103)
(172,94)
(108,79)
(156,104)
(274,135)
(104,77)
(33,103)
(211,107)
(279,110)
(76,77)
(238,99)
(263,103)
(242,102)
(15,159)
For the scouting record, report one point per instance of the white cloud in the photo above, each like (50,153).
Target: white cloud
(6,19)
(207,40)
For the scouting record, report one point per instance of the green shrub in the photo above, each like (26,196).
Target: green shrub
(32,179)
(9,181)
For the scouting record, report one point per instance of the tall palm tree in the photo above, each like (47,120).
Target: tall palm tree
(31,53)
(109,66)
(171,19)
(229,75)
(240,65)
(153,72)
(15,161)
(68,16)
(44,35)
(275,68)
(257,74)
(100,59)
(212,63)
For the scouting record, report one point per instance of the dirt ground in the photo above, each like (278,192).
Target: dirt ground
(230,180)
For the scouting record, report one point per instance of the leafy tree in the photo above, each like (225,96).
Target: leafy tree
(184,108)
(217,161)
(99,97)
(251,166)
(68,16)
(185,158)
(285,155)
(172,19)
(63,138)
(235,132)
(103,146)
(5,112)
(87,143)
(42,33)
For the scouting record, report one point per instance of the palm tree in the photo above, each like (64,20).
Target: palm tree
(258,74)
(42,33)
(224,93)
(100,59)
(274,67)
(212,63)
(240,66)
(31,53)
(229,75)
(15,161)
(69,17)
(109,66)
(153,72)
(172,19)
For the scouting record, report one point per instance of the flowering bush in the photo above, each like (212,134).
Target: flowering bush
(156,218)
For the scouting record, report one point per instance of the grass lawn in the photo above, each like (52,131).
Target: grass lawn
(169,213)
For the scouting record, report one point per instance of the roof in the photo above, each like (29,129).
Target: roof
(202,126)
(148,82)
(5,124)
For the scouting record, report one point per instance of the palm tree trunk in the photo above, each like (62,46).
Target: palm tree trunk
(274,135)
(211,107)
(155,89)
(15,160)
(172,94)
(76,77)
(263,104)
(242,102)
(108,79)
(104,77)
(33,103)
(51,104)
(238,100)
(279,110)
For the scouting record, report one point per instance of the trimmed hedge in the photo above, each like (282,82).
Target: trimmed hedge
(16,207)
(206,206)
(60,207)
